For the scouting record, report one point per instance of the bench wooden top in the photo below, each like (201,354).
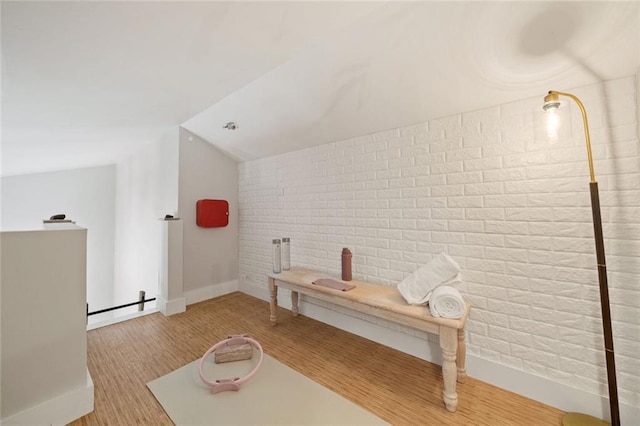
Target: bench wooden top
(376,299)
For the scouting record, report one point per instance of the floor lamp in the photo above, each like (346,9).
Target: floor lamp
(552,102)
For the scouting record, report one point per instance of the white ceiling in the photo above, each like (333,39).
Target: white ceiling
(86,83)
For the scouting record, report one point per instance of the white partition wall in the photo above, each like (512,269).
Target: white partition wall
(43,318)
(171,299)
(85,195)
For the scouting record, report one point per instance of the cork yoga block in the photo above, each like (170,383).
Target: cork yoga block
(230,353)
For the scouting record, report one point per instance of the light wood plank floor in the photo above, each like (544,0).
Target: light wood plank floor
(399,388)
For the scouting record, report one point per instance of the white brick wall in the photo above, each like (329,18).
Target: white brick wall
(488,188)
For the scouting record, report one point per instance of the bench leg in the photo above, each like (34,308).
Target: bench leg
(273,303)
(294,303)
(449,346)
(461,356)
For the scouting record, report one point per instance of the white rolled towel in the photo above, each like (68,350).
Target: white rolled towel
(446,302)
(416,288)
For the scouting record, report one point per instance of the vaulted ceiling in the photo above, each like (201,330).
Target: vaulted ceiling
(87,83)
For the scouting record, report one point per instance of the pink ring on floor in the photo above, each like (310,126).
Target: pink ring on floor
(222,385)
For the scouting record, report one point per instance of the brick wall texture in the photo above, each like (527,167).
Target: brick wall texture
(510,204)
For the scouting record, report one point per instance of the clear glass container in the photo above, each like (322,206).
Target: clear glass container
(275,256)
(286,254)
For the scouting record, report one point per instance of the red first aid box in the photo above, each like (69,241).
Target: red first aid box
(212,213)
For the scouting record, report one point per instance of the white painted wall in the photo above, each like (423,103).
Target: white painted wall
(638,95)
(513,209)
(86,196)
(44,340)
(210,254)
(146,190)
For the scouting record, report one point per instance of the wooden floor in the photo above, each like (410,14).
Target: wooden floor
(399,388)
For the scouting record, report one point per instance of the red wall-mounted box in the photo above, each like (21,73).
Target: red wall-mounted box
(212,213)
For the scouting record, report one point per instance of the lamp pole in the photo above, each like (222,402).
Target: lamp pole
(551,101)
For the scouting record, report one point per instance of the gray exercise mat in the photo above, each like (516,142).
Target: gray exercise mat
(276,395)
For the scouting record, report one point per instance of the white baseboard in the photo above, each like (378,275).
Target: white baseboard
(538,388)
(548,392)
(210,291)
(60,410)
(255,291)
(178,305)
(171,307)
(121,318)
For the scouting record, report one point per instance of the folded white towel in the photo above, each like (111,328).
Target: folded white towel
(446,302)
(416,288)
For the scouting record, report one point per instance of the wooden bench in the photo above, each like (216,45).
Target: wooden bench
(383,302)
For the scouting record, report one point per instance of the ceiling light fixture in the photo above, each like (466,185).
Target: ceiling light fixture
(551,102)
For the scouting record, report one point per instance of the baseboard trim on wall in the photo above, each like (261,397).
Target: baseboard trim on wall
(210,291)
(521,382)
(121,318)
(548,392)
(171,307)
(60,410)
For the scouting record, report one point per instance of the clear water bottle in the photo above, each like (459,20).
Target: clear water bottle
(275,255)
(286,254)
